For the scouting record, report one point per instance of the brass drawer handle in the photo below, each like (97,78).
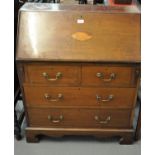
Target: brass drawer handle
(49,97)
(101,76)
(50,118)
(57,76)
(106,121)
(99,98)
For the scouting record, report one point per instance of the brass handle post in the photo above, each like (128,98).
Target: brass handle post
(101,76)
(106,121)
(57,76)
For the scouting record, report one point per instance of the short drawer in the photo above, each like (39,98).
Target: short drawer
(79,118)
(43,96)
(53,74)
(108,76)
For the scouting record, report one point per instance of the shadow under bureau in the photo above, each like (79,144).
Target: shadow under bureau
(79,69)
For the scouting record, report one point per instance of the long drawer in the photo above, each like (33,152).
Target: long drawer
(46,96)
(96,118)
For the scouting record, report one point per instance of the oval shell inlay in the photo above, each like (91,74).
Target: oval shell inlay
(81,36)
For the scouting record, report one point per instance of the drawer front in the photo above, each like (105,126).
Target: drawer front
(108,76)
(79,118)
(74,96)
(53,74)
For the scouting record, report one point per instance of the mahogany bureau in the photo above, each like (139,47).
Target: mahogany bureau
(79,69)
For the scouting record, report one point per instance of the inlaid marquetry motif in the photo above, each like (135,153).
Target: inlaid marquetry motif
(81,36)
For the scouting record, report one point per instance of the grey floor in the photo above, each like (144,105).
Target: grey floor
(76,146)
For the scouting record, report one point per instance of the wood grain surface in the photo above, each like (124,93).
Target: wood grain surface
(115,36)
(79,118)
(79,97)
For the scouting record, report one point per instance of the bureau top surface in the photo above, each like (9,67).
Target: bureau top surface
(55,32)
